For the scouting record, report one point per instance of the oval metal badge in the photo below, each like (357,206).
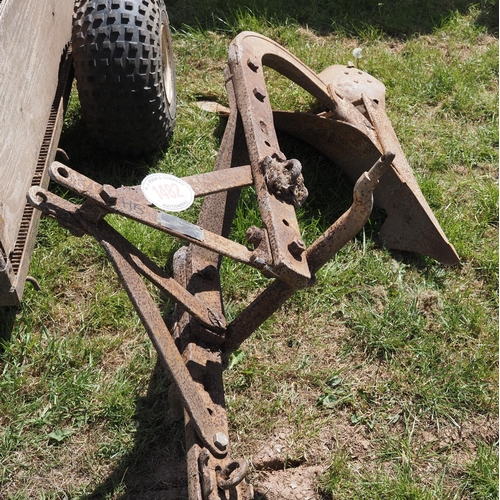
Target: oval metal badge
(167,192)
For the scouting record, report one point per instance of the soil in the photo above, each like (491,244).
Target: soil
(299,483)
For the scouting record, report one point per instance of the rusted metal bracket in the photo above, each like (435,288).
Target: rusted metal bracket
(196,343)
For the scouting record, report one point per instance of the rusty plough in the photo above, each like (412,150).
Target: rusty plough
(353,131)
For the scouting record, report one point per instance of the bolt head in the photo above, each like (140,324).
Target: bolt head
(108,194)
(297,247)
(221,441)
(259,261)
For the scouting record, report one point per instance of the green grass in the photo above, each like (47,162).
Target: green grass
(385,373)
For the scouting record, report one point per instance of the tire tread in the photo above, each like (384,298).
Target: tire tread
(118,68)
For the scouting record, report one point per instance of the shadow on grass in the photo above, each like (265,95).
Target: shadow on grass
(156,466)
(90,159)
(7,319)
(350,17)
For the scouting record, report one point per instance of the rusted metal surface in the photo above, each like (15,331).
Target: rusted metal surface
(142,212)
(197,269)
(195,342)
(246,55)
(410,224)
(322,250)
(352,83)
(124,258)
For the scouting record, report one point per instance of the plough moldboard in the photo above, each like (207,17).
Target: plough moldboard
(353,131)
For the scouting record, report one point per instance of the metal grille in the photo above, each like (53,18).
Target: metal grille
(27,219)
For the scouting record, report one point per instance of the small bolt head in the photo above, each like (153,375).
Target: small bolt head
(259,94)
(221,441)
(297,247)
(258,261)
(108,194)
(254,235)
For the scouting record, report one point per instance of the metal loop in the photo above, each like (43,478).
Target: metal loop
(232,475)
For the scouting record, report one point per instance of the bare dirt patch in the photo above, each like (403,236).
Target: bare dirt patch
(277,476)
(290,484)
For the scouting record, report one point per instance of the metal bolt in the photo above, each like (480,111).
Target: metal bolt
(221,441)
(297,247)
(258,261)
(254,235)
(215,318)
(108,194)
(259,94)
(254,66)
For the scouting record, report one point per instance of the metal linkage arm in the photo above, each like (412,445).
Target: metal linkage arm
(118,200)
(197,342)
(320,252)
(129,264)
(206,428)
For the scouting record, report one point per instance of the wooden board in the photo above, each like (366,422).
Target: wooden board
(33,36)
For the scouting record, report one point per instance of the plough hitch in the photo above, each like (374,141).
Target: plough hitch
(195,344)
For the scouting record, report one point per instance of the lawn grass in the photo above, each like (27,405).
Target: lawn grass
(385,373)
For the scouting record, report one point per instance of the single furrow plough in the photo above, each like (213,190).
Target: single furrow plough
(353,130)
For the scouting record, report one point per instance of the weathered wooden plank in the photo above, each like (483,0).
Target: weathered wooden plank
(33,34)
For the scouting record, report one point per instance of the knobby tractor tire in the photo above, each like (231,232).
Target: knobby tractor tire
(125,74)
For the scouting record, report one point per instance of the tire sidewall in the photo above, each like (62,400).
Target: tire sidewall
(168,66)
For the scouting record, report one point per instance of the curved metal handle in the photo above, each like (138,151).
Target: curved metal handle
(251,50)
(232,475)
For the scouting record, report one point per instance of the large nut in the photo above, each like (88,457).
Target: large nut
(108,194)
(221,441)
